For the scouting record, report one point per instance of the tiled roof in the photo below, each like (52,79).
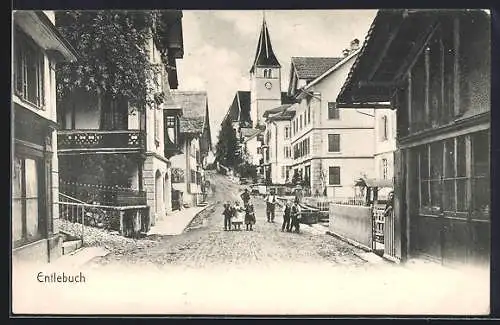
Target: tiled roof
(194,109)
(275,110)
(191,124)
(312,67)
(249,132)
(241,103)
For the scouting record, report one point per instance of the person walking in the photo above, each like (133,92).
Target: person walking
(286,217)
(295,216)
(271,206)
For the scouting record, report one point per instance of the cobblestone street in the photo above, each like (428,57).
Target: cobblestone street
(205,243)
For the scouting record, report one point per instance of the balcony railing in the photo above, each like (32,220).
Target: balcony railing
(101,140)
(102,194)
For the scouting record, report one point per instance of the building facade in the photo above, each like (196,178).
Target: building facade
(331,147)
(439,82)
(189,163)
(37,48)
(117,149)
(385,143)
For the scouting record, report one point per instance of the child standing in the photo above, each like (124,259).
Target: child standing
(249,216)
(238,217)
(227,213)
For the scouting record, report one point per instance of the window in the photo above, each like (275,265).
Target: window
(287,171)
(385,170)
(452,182)
(288,152)
(28,73)
(170,121)
(334,175)
(265,73)
(269,73)
(283,172)
(384,128)
(333,111)
(287,132)
(334,142)
(26,217)
(157,126)
(193,177)
(308,114)
(300,119)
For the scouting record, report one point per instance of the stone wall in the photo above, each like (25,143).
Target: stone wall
(352,222)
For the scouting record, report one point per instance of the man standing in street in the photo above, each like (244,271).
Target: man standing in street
(245,197)
(270,206)
(286,217)
(295,214)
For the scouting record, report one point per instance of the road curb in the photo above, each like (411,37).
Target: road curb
(196,214)
(349,241)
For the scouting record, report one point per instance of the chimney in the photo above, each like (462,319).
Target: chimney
(354,44)
(346,52)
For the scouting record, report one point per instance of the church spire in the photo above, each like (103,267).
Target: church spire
(264,56)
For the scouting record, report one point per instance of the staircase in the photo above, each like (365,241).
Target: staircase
(70,242)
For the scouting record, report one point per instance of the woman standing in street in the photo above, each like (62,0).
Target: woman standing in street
(249,216)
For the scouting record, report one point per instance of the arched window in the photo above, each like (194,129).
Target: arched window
(269,73)
(265,73)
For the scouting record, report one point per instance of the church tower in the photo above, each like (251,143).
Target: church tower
(265,76)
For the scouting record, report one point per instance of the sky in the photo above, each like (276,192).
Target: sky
(220,45)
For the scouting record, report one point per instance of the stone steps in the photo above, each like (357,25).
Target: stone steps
(71,246)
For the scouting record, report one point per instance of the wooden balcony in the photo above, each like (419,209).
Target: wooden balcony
(100,141)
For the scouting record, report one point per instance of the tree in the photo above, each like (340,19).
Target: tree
(112,54)
(228,148)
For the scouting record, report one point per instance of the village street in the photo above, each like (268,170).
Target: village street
(208,270)
(205,243)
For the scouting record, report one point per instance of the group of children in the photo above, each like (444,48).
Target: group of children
(291,217)
(234,216)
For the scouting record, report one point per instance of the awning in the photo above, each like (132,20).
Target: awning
(372,182)
(393,40)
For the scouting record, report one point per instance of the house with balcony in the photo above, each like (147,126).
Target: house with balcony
(193,145)
(112,153)
(434,68)
(37,48)
(331,147)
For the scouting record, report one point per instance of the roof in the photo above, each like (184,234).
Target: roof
(239,111)
(264,55)
(393,40)
(194,109)
(240,108)
(281,113)
(41,29)
(312,67)
(275,110)
(249,133)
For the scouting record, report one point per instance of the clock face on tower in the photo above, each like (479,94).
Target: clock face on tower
(268,85)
